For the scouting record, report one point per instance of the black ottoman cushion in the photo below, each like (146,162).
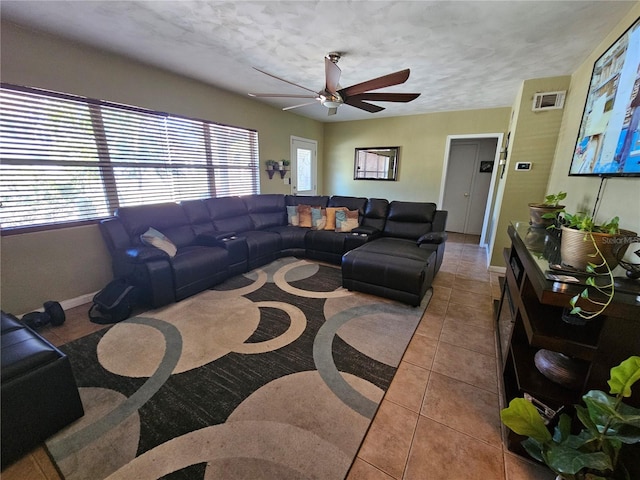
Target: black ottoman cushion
(23,352)
(38,395)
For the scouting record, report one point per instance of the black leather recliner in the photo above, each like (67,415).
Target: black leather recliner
(402,263)
(38,392)
(162,279)
(231,215)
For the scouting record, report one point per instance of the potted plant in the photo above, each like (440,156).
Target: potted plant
(582,238)
(594,453)
(272,165)
(589,247)
(542,215)
(285,163)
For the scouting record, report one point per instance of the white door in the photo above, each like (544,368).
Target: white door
(304,165)
(467,184)
(457,192)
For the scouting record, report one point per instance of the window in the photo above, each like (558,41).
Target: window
(67,159)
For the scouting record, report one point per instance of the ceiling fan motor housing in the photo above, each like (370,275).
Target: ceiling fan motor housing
(358,96)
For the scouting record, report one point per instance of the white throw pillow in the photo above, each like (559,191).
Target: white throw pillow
(157,239)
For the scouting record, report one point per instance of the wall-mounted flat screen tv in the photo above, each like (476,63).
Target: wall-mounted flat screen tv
(609,137)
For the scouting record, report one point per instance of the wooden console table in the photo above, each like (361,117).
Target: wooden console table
(529,318)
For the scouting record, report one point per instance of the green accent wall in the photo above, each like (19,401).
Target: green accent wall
(422,140)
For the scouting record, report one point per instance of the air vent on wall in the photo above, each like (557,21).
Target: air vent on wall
(548,101)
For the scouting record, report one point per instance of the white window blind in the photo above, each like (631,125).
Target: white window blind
(67,159)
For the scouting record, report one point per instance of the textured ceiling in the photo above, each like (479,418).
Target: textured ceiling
(462,54)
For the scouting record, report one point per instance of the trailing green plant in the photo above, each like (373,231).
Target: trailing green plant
(590,308)
(594,453)
(553,199)
(595,307)
(585,223)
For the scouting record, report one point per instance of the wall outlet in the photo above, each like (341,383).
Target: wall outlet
(521,166)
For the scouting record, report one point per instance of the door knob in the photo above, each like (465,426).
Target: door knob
(466,194)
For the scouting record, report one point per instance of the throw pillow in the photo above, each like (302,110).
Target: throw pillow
(292,215)
(331,217)
(154,238)
(304,216)
(346,220)
(318,218)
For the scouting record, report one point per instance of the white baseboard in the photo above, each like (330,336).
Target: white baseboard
(70,303)
(493,268)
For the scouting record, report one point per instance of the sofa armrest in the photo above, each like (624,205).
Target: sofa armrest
(214,239)
(114,234)
(432,238)
(142,254)
(439,223)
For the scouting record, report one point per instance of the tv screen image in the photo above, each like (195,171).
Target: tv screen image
(609,137)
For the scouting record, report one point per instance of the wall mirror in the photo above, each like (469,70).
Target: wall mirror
(376,163)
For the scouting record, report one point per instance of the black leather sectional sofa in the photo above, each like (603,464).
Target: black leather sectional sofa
(394,252)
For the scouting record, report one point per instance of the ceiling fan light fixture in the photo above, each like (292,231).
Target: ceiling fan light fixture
(331,104)
(333,101)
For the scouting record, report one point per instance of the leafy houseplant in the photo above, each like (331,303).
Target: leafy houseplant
(272,164)
(285,163)
(588,247)
(543,214)
(594,453)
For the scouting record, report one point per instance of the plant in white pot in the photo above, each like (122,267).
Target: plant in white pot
(541,215)
(587,246)
(593,453)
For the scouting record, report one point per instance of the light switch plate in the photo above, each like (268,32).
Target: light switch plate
(521,166)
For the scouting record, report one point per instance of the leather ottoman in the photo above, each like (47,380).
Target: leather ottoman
(39,393)
(392,268)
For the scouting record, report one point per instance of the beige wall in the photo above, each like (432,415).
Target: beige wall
(533,139)
(621,196)
(422,140)
(68,263)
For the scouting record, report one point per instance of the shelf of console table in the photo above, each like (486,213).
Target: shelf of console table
(529,318)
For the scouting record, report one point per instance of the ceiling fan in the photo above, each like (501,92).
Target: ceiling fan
(357,95)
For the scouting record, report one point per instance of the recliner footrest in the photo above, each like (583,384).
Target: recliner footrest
(384,274)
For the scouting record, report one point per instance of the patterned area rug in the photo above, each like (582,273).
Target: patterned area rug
(274,374)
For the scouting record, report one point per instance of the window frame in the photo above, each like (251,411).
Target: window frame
(208,161)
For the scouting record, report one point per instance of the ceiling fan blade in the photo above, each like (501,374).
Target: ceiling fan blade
(376,83)
(301,105)
(332,74)
(333,111)
(277,95)
(386,97)
(354,102)
(286,81)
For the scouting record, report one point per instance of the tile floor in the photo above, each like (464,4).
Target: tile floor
(440,417)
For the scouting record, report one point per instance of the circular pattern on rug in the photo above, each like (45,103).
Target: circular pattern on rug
(304,400)
(209,328)
(283,275)
(294,448)
(299,273)
(380,329)
(260,279)
(108,452)
(296,328)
